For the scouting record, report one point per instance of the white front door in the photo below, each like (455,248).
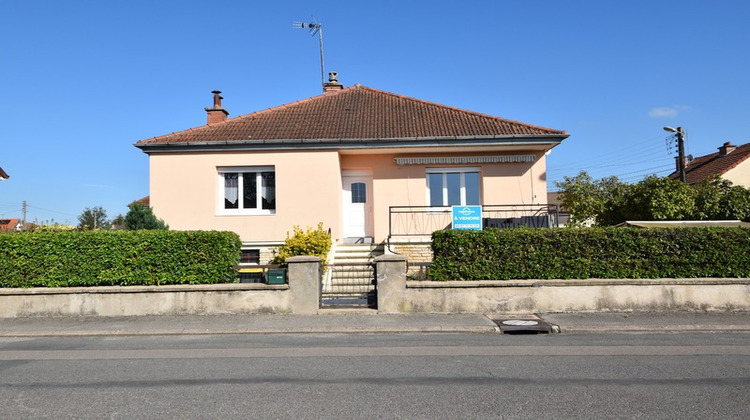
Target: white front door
(357,206)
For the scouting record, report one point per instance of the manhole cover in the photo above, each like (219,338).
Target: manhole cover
(524,326)
(520,322)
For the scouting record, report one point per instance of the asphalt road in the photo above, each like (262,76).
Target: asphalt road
(409,376)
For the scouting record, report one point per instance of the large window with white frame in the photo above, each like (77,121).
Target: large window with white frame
(453,187)
(247,190)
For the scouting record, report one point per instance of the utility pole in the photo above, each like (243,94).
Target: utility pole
(24,215)
(680,151)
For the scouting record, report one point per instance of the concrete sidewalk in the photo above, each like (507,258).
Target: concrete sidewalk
(347,322)
(650,321)
(330,322)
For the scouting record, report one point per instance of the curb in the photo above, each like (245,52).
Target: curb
(656,329)
(319,330)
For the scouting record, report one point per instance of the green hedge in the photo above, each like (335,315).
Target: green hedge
(503,254)
(122,258)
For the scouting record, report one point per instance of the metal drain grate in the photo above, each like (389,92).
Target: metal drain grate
(525,326)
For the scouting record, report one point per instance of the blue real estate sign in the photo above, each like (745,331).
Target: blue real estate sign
(467,217)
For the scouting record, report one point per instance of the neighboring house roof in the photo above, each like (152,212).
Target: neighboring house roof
(719,163)
(8,224)
(3,175)
(357,116)
(146,201)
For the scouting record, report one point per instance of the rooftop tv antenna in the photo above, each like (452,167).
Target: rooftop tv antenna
(315,28)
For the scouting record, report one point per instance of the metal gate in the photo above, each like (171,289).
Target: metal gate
(349,285)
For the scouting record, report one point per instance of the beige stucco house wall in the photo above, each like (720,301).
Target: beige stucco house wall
(185,192)
(739,175)
(186,188)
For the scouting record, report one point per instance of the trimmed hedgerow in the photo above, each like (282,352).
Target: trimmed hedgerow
(121,258)
(503,254)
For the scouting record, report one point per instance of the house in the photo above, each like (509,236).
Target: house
(368,164)
(3,175)
(730,162)
(9,225)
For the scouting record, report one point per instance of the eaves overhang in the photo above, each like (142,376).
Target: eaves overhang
(546,141)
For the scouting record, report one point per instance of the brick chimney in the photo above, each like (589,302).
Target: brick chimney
(726,148)
(333,83)
(217,113)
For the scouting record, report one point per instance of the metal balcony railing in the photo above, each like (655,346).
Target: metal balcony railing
(423,220)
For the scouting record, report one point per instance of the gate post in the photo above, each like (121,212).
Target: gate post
(391,283)
(304,284)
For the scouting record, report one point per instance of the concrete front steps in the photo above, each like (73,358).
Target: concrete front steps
(352,280)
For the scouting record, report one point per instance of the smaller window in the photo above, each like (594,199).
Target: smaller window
(250,256)
(359,192)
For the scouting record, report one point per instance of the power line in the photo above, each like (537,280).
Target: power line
(636,158)
(52,211)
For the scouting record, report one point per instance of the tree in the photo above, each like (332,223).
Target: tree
(718,199)
(608,201)
(119,220)
(93,218)
(659,198)
(735,204)
(587,200)
(141,216)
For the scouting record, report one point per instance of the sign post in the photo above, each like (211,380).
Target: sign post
(467,218)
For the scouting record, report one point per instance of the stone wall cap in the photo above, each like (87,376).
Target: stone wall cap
(303,259)
(468,284)
(184,288)
(390,258)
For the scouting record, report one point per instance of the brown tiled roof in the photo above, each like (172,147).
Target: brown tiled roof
(8,224)
(714,164)
(146,201)
(3,175)
(357,112)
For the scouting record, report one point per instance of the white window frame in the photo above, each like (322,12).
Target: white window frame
(452,170)
(220,195)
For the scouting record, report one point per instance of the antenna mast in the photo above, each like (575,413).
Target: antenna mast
(314,28)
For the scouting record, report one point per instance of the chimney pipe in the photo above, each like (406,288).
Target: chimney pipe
(217,113)
(333,83)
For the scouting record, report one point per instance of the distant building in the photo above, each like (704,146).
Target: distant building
(146,201)
(9,225)
(731,163)
(3,175)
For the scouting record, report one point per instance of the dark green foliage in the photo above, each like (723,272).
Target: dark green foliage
(718,199)
(609,201)
(141,216)
(587,199)
(120,258)
(93,218)
(503,254)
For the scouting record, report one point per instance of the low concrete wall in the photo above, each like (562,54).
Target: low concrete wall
(396,295)
(300,296)
(592,295)
(146,300)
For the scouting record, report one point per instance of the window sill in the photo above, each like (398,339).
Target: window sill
(246,213)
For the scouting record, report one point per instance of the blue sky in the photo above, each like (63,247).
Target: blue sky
(84,80)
